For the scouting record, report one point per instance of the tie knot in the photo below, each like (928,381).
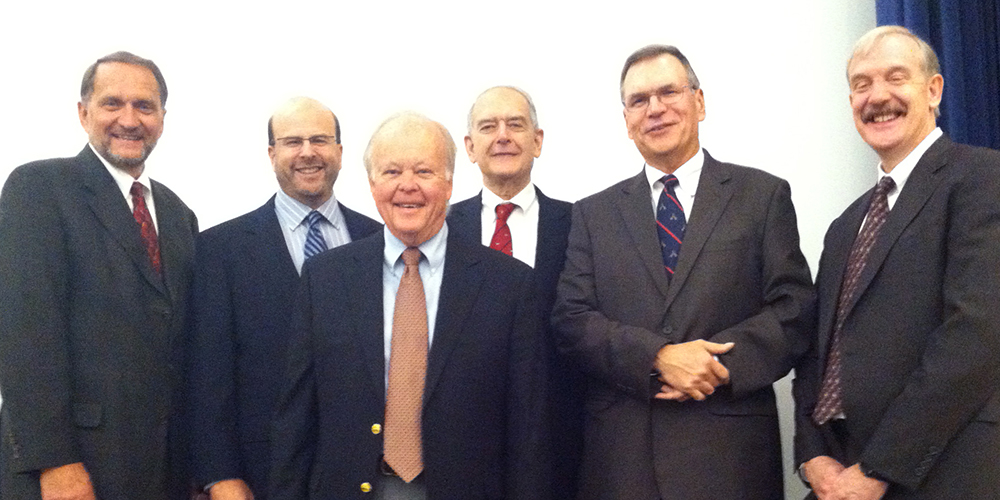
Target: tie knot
(313,218)
(503,211)
(411,256)
(670,181)
(884,186)
(136,189)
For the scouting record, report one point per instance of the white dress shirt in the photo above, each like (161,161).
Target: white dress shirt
(687,175)
(124,181)
(291,217)
(523,222)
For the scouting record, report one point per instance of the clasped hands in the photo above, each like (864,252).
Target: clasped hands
(690,370)
(832,481)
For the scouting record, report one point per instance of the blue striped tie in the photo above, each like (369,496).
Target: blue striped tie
(314,239)
(670,224)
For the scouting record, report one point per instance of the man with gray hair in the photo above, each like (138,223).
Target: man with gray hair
(416,365)
(899,396)
(684,298)
(513,216)
(95,265)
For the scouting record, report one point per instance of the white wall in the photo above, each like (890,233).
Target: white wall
(772,73)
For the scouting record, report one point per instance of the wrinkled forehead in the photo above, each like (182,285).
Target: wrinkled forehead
(500,104)
(886,52)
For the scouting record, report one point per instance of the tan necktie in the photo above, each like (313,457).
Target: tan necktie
(407,370)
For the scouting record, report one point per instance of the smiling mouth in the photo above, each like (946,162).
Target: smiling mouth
(658,128)
(408,206)
(127,137)
(882,115)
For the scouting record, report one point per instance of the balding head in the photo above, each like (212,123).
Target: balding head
(305,150)
(410,160)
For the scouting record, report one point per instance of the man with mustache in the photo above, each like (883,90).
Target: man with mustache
(95,266)
(247,274)
(416,369)
(684,297)
(513,216)
(898,397)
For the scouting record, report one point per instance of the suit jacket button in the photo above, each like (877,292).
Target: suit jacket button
(376,428)
(366,487)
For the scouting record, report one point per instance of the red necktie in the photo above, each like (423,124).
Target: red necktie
(403,445)
(830,395)
(146,227)
(501,235)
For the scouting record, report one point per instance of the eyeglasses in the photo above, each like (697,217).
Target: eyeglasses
(666,95)
(316,141)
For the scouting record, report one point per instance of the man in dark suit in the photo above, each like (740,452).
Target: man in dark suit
(504,140)
(95,265)
(247,273)
(899,395)
(690,270)
(417,367)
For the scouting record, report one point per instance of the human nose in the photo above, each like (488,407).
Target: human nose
(879,91)
(656,106)
(307,148)
(503,134)
(129,117)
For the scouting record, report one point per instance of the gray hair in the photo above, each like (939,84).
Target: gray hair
(446,140)
(929,63)
(531,105)
(651,51)
(87,86)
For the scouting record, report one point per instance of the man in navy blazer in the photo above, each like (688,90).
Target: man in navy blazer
(480,430)
(93,305)
(900,395)
(246,279)
(504,139)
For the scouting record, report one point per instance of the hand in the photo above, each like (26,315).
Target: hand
(67,482)
(670,394)
(230,489)
(821,473)
(691,367)
(851,484)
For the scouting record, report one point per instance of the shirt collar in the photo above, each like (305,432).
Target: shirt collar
(433,249)
(291,212)
(689,171)
(523,199)
(903,170)
(122,178)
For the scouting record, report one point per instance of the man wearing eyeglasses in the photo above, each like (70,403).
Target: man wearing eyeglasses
(246,278)
(684,297)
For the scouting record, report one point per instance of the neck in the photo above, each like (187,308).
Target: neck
(892,157)
(669,162)
(506,188)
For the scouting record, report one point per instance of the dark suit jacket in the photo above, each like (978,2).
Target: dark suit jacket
(242,303)
(567,386)
(740,278)
(90,336)
(483,416)
(921,341)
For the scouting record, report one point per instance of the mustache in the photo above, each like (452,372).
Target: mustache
(872,111)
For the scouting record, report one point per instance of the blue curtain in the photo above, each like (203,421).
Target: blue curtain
(965,36)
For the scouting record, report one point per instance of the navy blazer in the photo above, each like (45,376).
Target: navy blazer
(483,416)
(920,375)
(91,338)
(567,385)
(244,290)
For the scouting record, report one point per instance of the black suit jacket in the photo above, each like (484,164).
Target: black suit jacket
(483,417)
(242,303)
(567,386)
(90,336)
(740,278)
(921,341)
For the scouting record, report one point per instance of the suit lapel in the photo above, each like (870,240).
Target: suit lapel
(843,233)
(714,192)
(551,224)
(460,286)
(365,281)
(267,245)
(635,207)
(918,189)
(110,207)
(465,218)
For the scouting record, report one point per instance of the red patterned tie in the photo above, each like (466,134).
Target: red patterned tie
(407,371)
(146,227)
(501,235)
(830,395)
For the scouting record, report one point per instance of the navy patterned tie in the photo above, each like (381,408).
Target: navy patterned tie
(670,224)
(314,239)
(830,401)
